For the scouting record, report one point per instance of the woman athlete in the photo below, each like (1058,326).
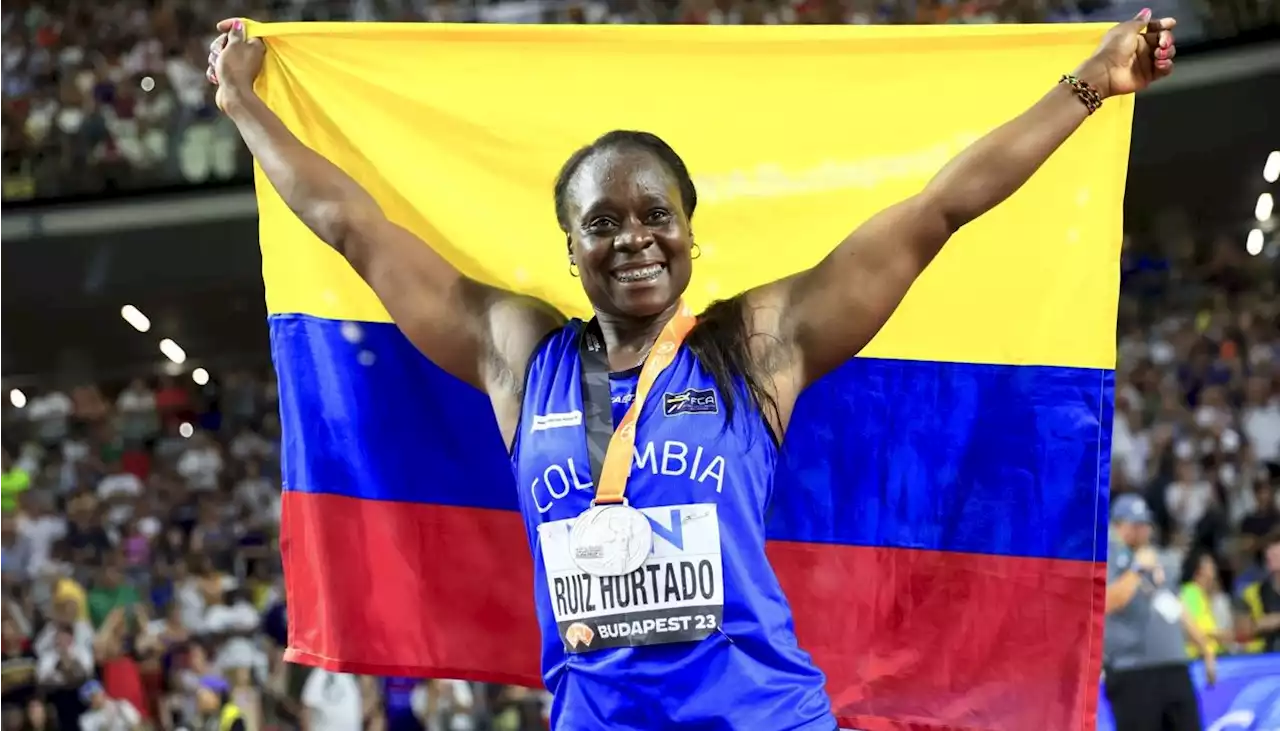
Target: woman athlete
(657,604)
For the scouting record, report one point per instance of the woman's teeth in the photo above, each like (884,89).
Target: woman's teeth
(642,274)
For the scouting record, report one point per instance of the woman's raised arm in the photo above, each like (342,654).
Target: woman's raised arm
(822,317)
(478,333)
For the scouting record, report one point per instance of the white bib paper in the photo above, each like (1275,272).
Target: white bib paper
(677,595)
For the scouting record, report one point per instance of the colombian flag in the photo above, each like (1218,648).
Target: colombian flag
(939,520)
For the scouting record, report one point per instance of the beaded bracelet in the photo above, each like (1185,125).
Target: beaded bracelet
(1088,95)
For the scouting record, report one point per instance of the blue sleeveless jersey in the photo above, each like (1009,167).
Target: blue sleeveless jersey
(701,636)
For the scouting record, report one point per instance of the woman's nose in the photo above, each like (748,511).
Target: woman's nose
(634,236)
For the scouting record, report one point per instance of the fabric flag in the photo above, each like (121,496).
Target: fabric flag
(939,519)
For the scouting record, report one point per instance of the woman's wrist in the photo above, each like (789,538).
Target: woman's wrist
(1094,73)
(233,100)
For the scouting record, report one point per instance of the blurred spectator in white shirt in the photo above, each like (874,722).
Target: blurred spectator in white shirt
(1188,497)
(201,464)
(105,713)
(1260,420)
(332,702)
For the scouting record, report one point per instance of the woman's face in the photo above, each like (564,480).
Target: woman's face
(629,233)
(1207,571)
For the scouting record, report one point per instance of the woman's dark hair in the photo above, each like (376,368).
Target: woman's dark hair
(1191,563)
(621,139)
(721,338)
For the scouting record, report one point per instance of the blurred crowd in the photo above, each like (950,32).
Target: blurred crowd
(112,96)
(1197,422)
(142,582)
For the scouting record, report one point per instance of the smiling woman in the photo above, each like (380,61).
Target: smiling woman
(625,203)
(645,441)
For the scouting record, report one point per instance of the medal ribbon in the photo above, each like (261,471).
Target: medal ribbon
(612,450)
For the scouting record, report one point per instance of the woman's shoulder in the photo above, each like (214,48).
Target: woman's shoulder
(556,342)
(722,310)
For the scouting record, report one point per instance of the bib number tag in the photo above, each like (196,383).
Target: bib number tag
(675,593)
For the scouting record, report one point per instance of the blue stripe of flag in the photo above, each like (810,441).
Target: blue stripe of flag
(995,459)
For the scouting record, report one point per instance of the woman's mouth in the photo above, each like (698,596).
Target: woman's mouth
(637,274)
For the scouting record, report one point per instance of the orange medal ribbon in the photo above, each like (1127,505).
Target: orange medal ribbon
(618,459)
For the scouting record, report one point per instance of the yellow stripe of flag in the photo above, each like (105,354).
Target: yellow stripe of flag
(794,136)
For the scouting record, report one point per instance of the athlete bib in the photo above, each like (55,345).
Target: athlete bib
(676,595)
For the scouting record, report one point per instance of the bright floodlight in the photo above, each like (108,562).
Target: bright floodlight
(1262,211)
(134,316)
(1271,170)
(17,398)
(1253,244)
(172,351)
(200,376)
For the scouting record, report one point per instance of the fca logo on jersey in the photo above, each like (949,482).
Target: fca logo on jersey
(693,401)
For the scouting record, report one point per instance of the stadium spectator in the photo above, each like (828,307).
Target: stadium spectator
(216,708)
(106,713)
(1260,603)
(18,673)
(13,483)
(63,666)
(1144,656)
(1209,607)
(332,702)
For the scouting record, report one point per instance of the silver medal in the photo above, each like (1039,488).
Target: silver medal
(610,540)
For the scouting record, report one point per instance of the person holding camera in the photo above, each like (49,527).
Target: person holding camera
(1145,662)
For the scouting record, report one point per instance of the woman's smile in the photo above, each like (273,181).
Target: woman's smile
(639,274)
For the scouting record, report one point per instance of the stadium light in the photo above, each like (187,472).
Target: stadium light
(1271,170)
(1262,211)
(134,316)
(17,398)
(172,351)
(1253,244)
(185,430)
(200,376)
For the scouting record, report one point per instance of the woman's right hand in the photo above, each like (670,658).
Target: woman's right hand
(234,60)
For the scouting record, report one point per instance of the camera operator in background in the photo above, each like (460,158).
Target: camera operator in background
(1147,627)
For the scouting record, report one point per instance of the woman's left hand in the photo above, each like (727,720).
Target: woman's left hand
(1132,56)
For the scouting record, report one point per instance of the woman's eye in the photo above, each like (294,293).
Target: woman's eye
(659,216)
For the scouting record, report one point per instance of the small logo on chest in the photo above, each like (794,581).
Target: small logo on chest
(692,401)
